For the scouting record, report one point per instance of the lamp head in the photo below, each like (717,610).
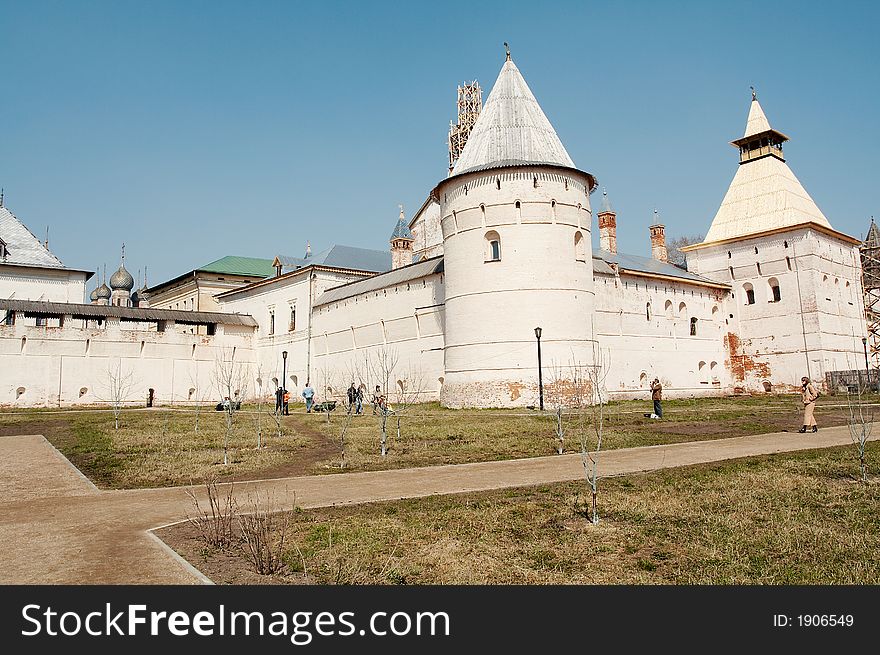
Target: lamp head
(538,332)
(283,354)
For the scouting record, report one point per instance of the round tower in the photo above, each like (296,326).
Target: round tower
(515,215)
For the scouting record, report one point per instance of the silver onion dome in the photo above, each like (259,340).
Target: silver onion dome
(121,280)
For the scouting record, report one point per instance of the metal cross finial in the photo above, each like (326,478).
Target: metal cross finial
(402,215)
(507,50)
(1,197)
(123,253)
(754,93)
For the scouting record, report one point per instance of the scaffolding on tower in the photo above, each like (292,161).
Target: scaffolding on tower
(470,103)
(870,256)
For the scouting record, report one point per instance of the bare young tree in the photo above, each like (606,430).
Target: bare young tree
(589,381)
(558,394)
(215,525)
(356,370)
(119,386)
(860,422)
(277,415)
(198,392)
(674,246)
(258,417)
(382,365)
(408,392)
(231,379)
(264,533)
(327,387)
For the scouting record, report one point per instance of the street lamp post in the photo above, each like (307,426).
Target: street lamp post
(284,372)
(540,381)
(867,371)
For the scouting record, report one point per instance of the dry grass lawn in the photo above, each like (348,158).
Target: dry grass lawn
(787,519)
(160,447)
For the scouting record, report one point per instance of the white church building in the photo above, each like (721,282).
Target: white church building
(501,246)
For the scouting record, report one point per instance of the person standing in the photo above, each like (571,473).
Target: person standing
(359,400)
(309,395)
(286,402)
(279,399)
(352,397)
(809,395)
(657,397)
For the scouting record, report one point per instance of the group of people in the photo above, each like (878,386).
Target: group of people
(355,399)
(809,396)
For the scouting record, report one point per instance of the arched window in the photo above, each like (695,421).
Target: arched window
(668,308)
(493,246)
(648,311)
(749,294)
(643,380)
(703,373)
(775,295)
(693,326)
(714,312)
(580,252)
(682,310)
(788,262)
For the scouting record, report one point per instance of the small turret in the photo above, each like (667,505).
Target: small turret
(401,243)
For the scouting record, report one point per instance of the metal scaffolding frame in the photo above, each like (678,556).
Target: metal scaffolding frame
(870,256)
(470,104)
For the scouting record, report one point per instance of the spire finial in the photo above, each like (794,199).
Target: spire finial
(145,277)
(1,197)
(104,280)
(507,50)
(308,249)
(402,215)
(656,217)
(123,254)
(754,93)
(46,245)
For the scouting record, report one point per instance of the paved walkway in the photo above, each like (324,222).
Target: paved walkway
(57,528)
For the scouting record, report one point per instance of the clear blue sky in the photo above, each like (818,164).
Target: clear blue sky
(194,130)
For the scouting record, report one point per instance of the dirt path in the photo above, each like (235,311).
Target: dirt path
(55,527)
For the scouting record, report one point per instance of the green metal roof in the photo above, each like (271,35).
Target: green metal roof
(232,265)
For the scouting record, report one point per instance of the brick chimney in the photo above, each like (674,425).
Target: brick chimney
(607,226)
(658,240)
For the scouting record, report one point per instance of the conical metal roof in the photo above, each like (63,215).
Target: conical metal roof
(764,194)
(757,121)
(401,230)
(511,130)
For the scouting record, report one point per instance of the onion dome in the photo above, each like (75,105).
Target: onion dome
(103,292)
(93,296)
(121,280)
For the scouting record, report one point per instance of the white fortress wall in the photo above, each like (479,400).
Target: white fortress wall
(285,298)
(70,365)
(645,325)
(818,321)
(404,320)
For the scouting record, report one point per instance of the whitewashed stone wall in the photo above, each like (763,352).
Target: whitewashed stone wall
(63,366)
(52,285)
(278,297)
(644,327)
(817,324)
(427,235)
(405,320)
